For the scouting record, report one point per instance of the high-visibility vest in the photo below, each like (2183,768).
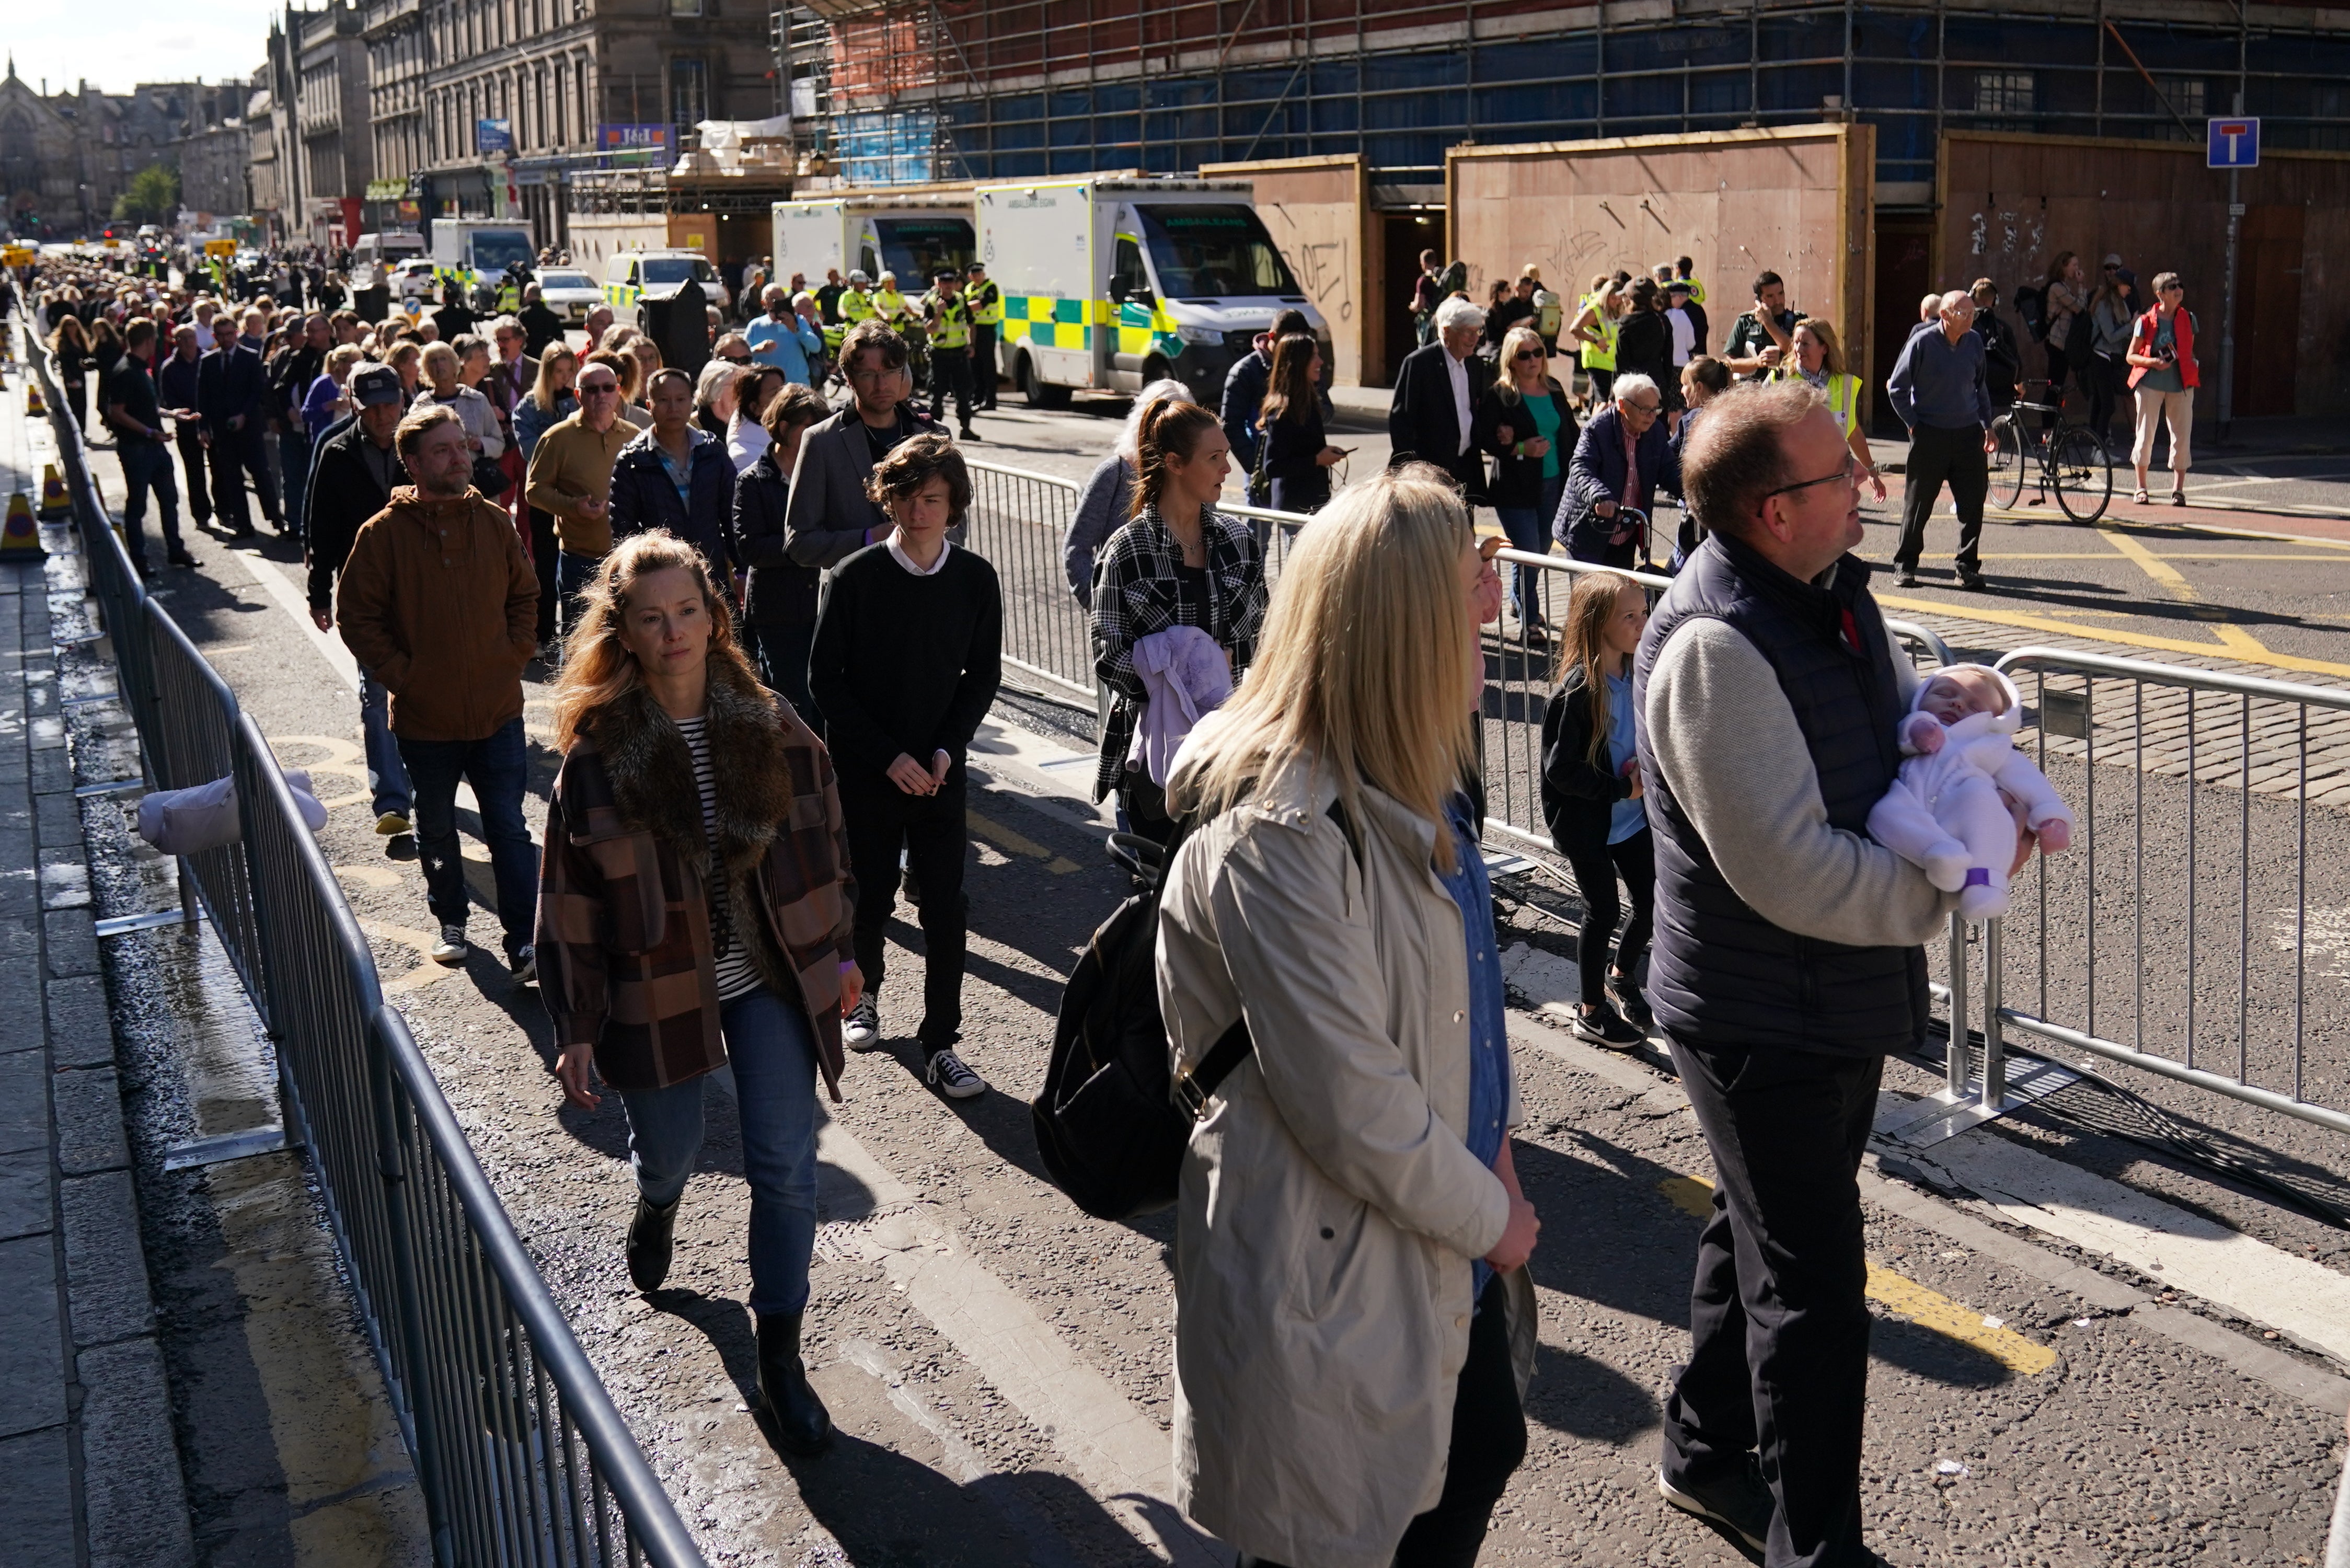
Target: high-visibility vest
(889,305)
(856,305)
(1601,355)
(952,318)
(1842,391)
(987,303)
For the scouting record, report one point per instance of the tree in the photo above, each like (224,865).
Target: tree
(151,197)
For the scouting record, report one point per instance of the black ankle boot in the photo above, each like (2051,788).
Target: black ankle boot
(802,1423)
(649,1234)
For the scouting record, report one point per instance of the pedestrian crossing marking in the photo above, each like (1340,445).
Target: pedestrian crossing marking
(1694,1196)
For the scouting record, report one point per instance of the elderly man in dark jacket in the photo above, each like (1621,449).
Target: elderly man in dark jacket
(232,394)
(1437,392)
(1620,459)
(353,480)
(651,469)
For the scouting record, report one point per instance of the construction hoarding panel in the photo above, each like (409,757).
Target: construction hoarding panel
(1794,200)
(2011,204)
(1316,210)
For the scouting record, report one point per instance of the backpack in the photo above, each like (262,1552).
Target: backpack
(2031,304)
(2080,337)
(1111,1122)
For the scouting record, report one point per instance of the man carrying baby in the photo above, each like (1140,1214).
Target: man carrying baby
(1788,958)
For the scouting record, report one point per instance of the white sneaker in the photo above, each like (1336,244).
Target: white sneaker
(953,1078)
(451,949)
(862,1028)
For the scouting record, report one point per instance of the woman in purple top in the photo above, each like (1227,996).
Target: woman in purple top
(329,399)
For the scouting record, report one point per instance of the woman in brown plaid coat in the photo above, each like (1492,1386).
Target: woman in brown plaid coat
(695,912)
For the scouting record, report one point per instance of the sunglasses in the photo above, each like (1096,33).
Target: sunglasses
(1524,355)
(606,390)
(737,359)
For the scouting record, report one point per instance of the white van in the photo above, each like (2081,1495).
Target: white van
(1110,282)
(912,235)
(375,253)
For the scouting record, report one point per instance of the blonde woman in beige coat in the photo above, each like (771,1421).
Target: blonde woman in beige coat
(1353,1321)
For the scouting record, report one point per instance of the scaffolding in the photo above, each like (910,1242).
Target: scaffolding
(984,90)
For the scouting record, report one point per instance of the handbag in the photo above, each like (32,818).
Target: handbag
(1260,482)
(490,478)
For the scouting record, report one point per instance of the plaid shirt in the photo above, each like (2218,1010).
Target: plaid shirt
(1138,591)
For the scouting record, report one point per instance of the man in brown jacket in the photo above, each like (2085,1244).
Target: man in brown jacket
(437,599)
(570,480)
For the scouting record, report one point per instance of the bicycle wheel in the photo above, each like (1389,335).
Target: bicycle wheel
(2084,474)
(2006,462)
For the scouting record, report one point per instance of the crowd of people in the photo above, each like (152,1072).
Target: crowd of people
(771,645)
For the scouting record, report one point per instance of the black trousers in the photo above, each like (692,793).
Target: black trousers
(1778,1319)
(951,372)
(542,564)
(237,453)
(1489,1444)
(781,650)
(986,370)
(192,461)
(1634,860)
(882,819)
(1937,456)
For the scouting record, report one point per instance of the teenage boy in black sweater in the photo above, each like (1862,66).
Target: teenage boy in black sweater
(906,663)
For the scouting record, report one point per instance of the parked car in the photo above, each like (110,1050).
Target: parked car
(569,292)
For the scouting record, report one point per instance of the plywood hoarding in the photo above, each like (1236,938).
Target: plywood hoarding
(1318,210)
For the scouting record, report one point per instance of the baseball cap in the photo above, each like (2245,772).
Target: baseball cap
(376,385)
(2126,277)
(2113,261)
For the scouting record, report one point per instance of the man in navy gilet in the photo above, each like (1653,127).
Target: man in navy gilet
(1788,960)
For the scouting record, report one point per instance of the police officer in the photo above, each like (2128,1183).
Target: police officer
(857,300)
(948,316)
(889,305)
(986,317)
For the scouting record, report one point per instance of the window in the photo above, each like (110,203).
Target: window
(2004,92)
(1210,250)
(689,93)
(685,7)
(1127,274)
(2185,95)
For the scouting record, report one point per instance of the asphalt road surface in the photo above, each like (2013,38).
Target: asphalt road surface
(998,1364)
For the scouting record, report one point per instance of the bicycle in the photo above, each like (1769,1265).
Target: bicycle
(2073,461)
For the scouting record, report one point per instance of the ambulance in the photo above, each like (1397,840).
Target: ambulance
(1112,282)
(474,253)
(914,234)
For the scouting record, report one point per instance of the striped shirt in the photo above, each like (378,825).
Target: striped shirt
(737,975)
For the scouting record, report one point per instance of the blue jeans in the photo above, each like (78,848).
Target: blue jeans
(294,464)
(772,1049)
(387,775)
(572,573)
(1528,528)
(496,768)
(147,465)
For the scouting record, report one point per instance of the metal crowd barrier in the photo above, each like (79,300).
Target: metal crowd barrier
(519,1453)
(2189,957)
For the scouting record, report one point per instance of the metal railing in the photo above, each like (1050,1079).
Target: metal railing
(2221,913)
(521,1457)
(1019,520)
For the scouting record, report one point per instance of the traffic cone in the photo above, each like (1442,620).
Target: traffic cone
(55,507)
(19,541)
(34,407)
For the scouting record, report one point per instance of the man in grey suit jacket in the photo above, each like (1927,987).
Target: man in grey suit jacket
(828,517)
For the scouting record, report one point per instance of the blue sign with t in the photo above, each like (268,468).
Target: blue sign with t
(2235,142)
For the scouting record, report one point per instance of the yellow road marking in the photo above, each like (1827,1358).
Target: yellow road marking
(2169,576)
(2101,634)
(1694,1196)
(1014,843)
(2101,555)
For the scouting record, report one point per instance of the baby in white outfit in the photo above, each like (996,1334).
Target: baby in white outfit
(1948,812)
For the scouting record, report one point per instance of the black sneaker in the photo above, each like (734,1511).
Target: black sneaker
(1625,992)
(523,964)
(1739,1502)
(1974,582)
(180,559)
(1905,576)
(1603,1025)
(948,1074)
